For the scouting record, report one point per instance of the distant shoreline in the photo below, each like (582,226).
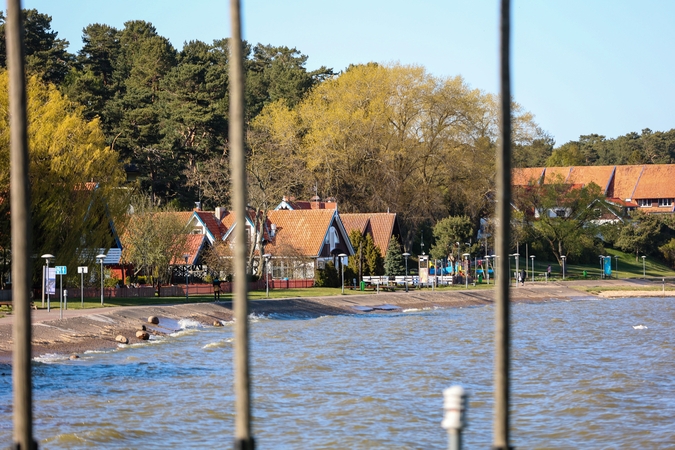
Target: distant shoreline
(96,329)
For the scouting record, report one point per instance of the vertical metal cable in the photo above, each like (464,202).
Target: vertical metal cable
(242,384)
(21,231)
(502,334)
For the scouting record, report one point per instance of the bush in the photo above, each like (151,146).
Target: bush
(327,277)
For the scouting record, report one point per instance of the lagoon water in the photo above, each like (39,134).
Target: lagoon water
(586,374)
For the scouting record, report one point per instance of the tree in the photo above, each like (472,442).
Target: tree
(75,179)
(447,233)
(368,257)
(394,263)
(218,259)
(45,53)
(640,235)
(563,216)
(154,239)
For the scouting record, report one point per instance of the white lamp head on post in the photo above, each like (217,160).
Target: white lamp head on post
(49,256)
(100,257)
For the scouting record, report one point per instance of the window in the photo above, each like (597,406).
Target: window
(645,202)
(665,202)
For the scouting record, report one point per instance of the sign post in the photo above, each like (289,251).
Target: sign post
(61,271)
(82,270)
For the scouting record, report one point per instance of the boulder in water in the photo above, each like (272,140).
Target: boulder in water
(142,335)
(153,319)
(122,339)
(74,357)
(217,323)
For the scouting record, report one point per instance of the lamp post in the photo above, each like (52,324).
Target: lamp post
(616,259)
(532,258)
(466,274)
(563,257)
(187,295)
(45,284)
(267,257)
(406,254)
(342,266)
(458,259)
(644,273)
(100,259)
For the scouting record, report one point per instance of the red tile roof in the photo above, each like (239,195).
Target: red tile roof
(303,230)
(193,245)
(554,175)
(525,176)
(585,175)
(380,226)
(355,221)
(657,181)
(215,227)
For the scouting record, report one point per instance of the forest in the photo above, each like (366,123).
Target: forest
(374,137)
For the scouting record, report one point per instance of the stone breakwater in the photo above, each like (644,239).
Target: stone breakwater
(106,328)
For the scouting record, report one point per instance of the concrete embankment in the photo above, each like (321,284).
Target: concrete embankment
(97,329)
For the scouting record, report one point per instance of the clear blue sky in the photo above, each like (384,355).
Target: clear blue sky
(580,66)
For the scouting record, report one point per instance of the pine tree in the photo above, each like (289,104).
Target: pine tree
(394,264)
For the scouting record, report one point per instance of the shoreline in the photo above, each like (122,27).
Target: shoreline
(96,329)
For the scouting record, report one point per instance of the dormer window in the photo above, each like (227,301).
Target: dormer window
(665,202)
(645,202)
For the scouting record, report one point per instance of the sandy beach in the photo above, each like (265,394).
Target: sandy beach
(97,329)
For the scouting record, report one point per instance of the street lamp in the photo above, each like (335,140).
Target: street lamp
(187,295)
(267,257)
(45,280)
(532,257)
(466,274)
(563,257)
(644,273)
(616,258)
(100,259)
(342,265)
(406,254)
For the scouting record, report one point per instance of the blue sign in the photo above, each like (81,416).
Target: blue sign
(61,270)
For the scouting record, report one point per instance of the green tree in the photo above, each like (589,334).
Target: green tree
(45,53)
(447,233)
(640,235)
(394,262)
(75,179)
(564,216)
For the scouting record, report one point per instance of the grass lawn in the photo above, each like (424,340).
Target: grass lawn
(627,268)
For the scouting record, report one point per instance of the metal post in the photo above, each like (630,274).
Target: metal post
(60,296)
(406,254)
(532,256)
(454,419)
(564,258)
(616,258)
(187,295)
(644,271)
(82,289)
(100,258)
(243,440)
(342,257)
(21,227)
(503,210)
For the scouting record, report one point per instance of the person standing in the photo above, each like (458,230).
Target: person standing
(216,289)
(548,271)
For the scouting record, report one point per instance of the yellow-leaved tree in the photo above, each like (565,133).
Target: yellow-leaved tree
(75,178)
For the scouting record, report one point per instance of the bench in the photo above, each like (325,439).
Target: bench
(8,303)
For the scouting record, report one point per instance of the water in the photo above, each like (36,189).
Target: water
(586,374)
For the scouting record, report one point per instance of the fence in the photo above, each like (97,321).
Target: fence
(166,291)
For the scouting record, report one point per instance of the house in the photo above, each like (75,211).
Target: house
(381,226)
(643,187)
(302,240)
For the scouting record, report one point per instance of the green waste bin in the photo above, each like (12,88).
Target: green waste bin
(363,285)
(480,278)
(585,274)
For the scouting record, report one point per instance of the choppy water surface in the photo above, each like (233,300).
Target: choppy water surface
(586,374)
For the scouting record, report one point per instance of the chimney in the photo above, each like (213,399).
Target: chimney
(198,206)
(273,230)
(220,212)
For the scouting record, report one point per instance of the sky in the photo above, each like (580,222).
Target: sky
(581,67)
